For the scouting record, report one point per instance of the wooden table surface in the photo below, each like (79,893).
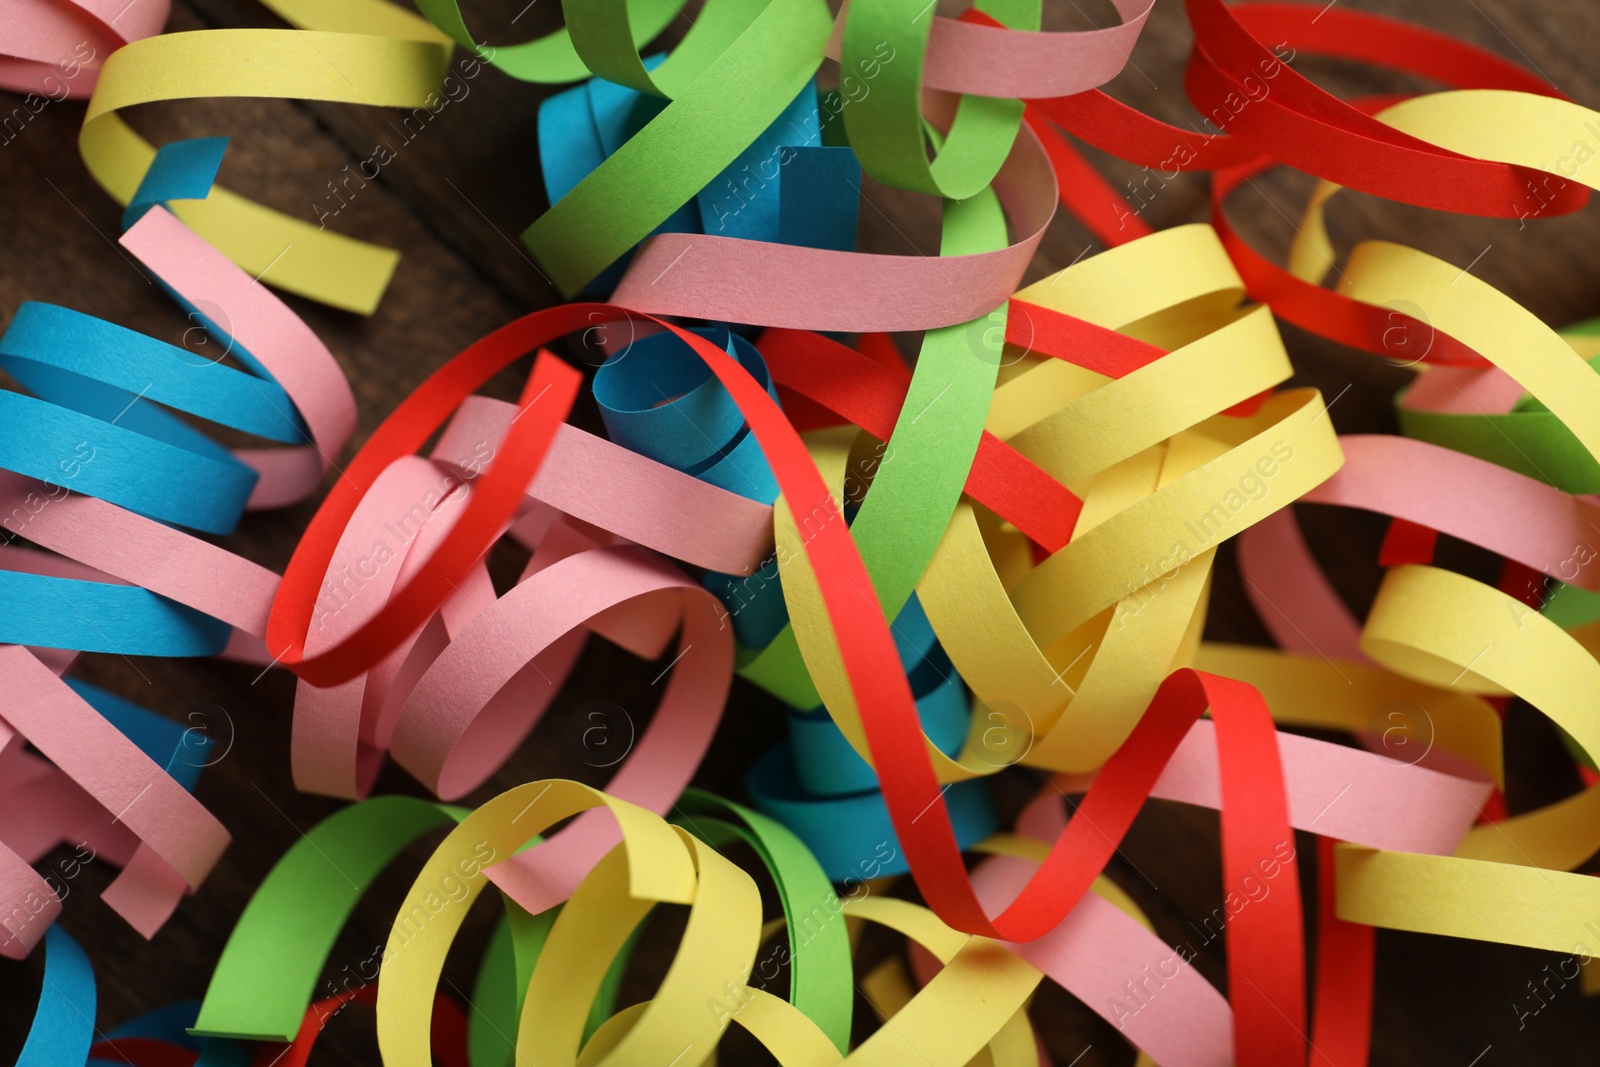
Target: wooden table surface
(453,201)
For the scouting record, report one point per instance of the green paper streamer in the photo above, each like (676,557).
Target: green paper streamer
(267,975)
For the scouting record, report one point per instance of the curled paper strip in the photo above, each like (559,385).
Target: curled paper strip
(1129,773)
(997,554)
(822,289)
(53,49)
(99,472)
(63,1022)
(715,112)
(354,51)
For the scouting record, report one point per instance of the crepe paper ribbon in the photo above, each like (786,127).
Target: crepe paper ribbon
(1093,815)
(1428,624)
(45,809)
(1096,819)
(999,1024)
(181,170)
(64,355)
(497,994)
(102,374)
(708,354)
(1544,134)
(732,280)
(1514,340)
(1500,902)
(342,733)
(663,758)
(1381,787)
(1101,120)
(73,423)
(889,989)
(1082,191)
(1269,1014)
(1509,513)
(1307,618)
(351,51)
(411,700)
(269,339)
(126,620)
(181,750)
(1391,332)
(442,739)
(1561,835)
(63,1023)
(701,429)
(30,895)
(263,985)
(154,620)
(54,48)
(1239,31)
(720,939)
(756,618)
(711,120)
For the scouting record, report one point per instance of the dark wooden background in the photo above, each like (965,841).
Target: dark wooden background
(452,203)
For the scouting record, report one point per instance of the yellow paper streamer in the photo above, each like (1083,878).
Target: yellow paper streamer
(347,51)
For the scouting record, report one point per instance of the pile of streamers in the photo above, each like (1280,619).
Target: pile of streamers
(997,554)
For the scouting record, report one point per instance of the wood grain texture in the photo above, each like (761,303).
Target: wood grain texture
(453,201)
